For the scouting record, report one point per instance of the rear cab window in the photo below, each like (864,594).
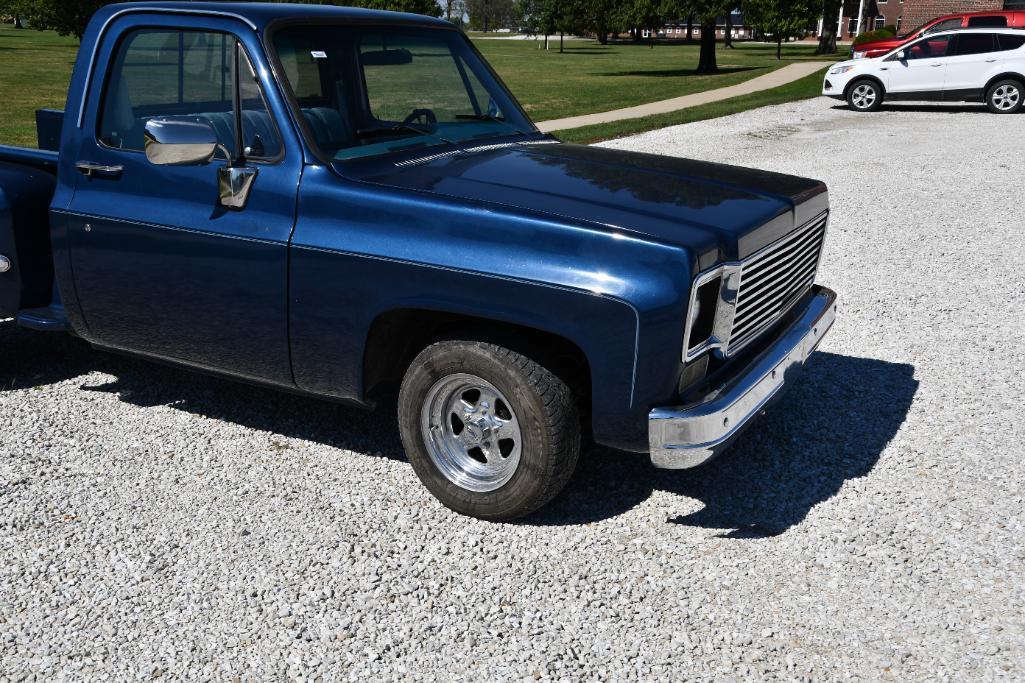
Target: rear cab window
(987,22)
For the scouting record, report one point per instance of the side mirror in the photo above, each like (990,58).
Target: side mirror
(901,56)
(180,141)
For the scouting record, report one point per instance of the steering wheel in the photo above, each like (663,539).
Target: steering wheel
(424,117)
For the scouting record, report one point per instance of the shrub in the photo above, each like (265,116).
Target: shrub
(879,34)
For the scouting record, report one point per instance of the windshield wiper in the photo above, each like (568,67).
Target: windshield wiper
(398,127)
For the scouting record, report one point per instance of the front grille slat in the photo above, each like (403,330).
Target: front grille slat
(781,253)
(762,287)
(772,298)
(770,308)
(773,280)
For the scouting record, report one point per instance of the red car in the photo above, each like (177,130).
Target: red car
(994,19)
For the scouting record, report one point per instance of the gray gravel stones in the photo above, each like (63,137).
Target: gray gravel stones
(155,523)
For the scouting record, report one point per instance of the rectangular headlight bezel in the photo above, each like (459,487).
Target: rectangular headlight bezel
(718,321)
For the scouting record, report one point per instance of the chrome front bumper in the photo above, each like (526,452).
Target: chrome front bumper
(687,436)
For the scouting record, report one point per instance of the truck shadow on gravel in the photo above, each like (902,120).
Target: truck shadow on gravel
(831,426)
(33,359)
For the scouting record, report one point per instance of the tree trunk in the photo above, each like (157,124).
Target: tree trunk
(637,35)
(603,38)
(728,33)
(779,46)
(560,42)
(690,28)
(546,41)
(830,27)
(706,61)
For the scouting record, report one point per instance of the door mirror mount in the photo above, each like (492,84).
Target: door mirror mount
(191,141)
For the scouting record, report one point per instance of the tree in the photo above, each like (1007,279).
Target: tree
(707,13)
(66,17)
(830,27)
(487,15)
(782,19)
(453,10)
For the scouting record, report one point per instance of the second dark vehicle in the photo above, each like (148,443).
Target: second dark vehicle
(337,201)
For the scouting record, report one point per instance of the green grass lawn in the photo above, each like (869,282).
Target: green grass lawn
(35,68)
(590,77)
(803,88)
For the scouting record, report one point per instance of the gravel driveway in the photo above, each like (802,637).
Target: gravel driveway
(155,522)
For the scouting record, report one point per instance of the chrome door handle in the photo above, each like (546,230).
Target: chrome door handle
(91,168)
(990,61)
(936,65)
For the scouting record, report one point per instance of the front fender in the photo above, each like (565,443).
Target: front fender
(360,251)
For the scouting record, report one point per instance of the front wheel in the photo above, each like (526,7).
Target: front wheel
(491,433)
(1004,97)
(865,95)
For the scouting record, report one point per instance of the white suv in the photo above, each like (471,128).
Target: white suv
(980,65)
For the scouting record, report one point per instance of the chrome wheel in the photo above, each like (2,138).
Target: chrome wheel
(471,433)
(1005,97)
(863,96)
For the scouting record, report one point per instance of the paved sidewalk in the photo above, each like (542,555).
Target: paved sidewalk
(787,74)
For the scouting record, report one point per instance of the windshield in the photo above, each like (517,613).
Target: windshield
(365,91)
(911,33)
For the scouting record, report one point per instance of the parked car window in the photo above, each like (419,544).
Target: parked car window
(928,48)
(1009,42)
(366,91)
(987,22)
(945,25)
(974,44)
(184,73)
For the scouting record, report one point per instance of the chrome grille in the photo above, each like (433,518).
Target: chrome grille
(773,279)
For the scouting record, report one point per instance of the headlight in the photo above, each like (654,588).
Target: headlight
(840,69)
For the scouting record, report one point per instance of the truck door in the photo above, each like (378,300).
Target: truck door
(160,266)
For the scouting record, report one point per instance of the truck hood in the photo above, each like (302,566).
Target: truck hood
(720,212)
(887,44)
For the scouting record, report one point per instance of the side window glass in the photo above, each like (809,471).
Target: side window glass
(182,73)
(930,48)
(260,138)
(1009,42)
(974,44)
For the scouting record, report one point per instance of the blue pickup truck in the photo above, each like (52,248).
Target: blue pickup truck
(350,204)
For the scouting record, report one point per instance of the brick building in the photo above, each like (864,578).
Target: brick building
(907,15)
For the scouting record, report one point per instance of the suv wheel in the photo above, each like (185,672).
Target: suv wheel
(491,433)
(865,95)
(1004,97)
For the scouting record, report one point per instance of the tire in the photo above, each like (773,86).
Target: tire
(864,95)
(1005,96)
(491,433)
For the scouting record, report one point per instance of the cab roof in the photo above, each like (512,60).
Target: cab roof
(262,14)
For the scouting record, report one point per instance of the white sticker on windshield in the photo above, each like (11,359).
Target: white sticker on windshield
(318,54)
